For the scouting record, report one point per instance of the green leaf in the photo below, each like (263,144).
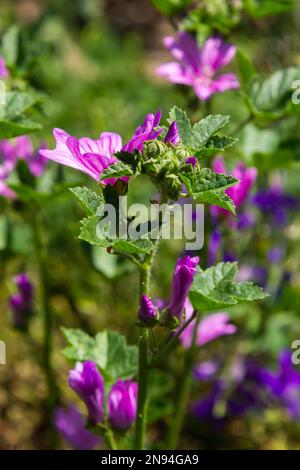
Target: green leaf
(109,350)
(17,103)
(206,128)
(215,288)
(207,187)
(184,125)
(218,142)
(116,171)
(10,45)
(273,95)
(89,233)
(9,129)
(246,69)
(90,200)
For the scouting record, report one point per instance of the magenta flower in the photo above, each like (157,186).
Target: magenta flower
(148,311)
(240,191)
(211,327)
(150,130)
(87,155)
(4,73)
(198,67)
(184,273)
(122,404)
(22,302)
(88,383)
(71,425)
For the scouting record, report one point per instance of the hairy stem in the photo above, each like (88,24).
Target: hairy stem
(143,372)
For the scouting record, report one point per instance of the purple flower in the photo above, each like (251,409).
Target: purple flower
(4,73)
(172,136)
(148,311)
(88,383)
(122,404)
(275,204)
(71,425)
(150,130)
(183,276)
(198,67)
(89,156)
(211,327)
(240,191)
(22,302)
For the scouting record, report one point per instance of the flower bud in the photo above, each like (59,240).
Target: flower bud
(154,149)
(183,276)
(122,404)
(148,312)
(87,382)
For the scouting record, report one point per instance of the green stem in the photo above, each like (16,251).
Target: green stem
(47,318)
(183,393)
(110,438)
(143,372)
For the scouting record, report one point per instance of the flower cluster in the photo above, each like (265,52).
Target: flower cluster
(22,302)
(88,383)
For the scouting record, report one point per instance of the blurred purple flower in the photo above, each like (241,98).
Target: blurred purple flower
(213,246)
(122,404)
(88,383)
(246,219)
(275,204)
(275,254)
(11,151)
(198,67)
(211,327)
(205,370)
(183,276)
(71,425)
(22,302)
(240,191)
(284,384)
(148,311)
(4,73)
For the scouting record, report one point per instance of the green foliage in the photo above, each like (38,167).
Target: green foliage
(108,349)
(14,114)
(215,288)
(202,135)
(90,200)
(207,187)
(117,170)
(271,98)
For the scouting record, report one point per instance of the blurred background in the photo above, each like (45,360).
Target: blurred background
(93,63)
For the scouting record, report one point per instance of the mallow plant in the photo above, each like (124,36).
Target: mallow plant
(111,377)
